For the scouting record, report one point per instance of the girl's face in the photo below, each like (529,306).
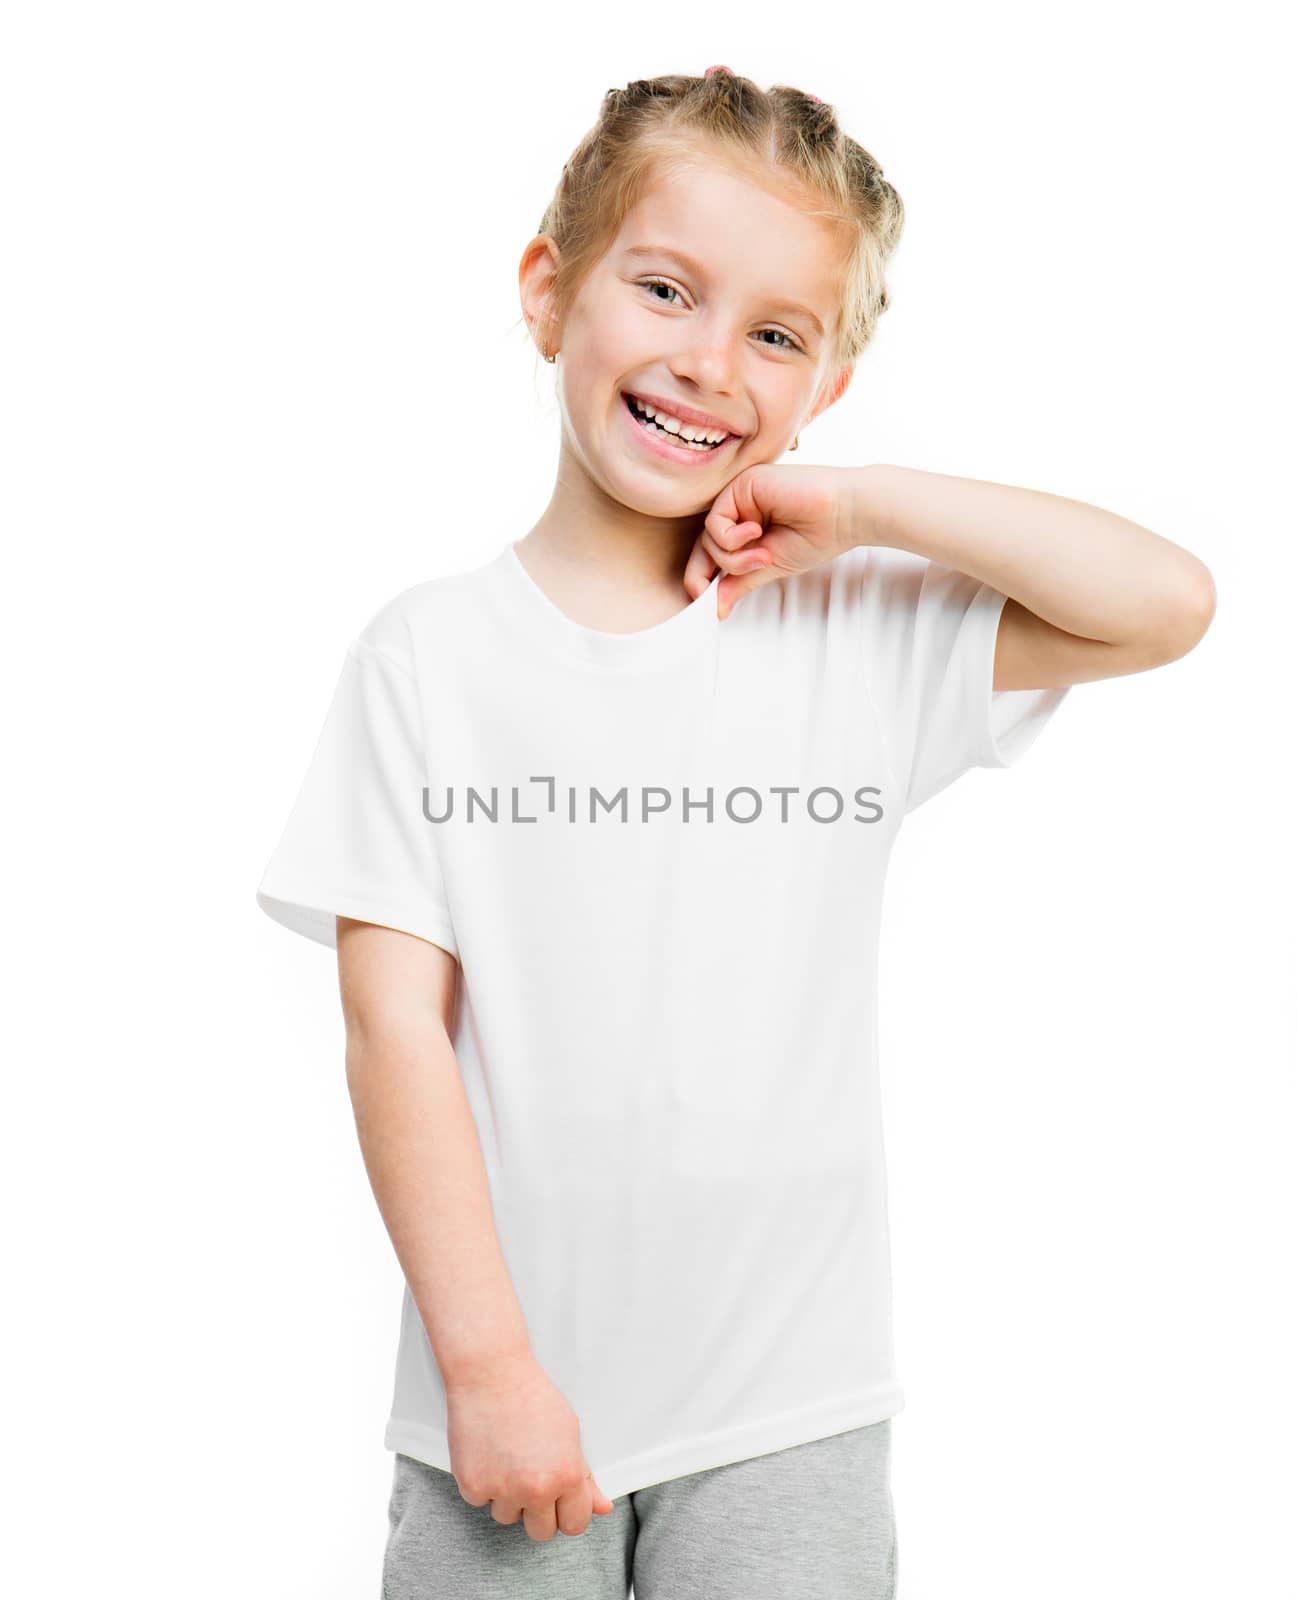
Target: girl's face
(716,298)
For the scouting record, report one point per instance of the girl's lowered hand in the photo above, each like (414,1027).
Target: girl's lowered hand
(515,1445)
(768,523)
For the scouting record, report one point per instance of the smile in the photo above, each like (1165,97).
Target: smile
(668,441)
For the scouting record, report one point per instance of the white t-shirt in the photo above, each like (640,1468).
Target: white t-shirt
(667,1026)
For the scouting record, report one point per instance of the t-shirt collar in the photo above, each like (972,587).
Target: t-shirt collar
(531,608)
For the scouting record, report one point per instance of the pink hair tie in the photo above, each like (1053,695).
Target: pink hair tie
(707,72)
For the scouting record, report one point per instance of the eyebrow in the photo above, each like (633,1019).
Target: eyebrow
(690,265)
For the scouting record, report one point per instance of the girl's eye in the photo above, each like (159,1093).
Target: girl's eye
(792,343)
(661,283)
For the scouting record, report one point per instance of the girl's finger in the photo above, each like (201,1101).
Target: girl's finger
(740,558)
(734,586)
(699,569)
(726,534)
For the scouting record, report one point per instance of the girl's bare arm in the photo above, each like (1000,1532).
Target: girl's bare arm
(515,1442)
(421,1148)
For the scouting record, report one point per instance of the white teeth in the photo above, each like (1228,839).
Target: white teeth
(670,424)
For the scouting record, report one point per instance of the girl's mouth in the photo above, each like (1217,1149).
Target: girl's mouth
(665,442)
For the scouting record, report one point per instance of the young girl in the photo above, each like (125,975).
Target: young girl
(602,855)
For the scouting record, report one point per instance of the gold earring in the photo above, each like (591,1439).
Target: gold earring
(544,350)
(796,437)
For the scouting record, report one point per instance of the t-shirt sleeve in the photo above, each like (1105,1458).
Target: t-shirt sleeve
(356,843)
(929,640)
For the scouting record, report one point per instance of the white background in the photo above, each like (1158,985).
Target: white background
(262,369)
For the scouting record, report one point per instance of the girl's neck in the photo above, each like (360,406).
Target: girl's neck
(617,578)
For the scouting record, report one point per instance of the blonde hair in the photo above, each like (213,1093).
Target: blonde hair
(654,126)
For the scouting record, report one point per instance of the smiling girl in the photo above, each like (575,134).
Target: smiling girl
(602,853)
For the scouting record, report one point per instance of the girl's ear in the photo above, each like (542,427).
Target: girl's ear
(536,273)
(835,392)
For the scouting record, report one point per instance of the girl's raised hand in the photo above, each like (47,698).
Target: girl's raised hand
(767,523)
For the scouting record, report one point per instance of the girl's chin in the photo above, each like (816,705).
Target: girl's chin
(668,502)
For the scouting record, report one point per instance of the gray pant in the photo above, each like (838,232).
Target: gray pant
(816,1519)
